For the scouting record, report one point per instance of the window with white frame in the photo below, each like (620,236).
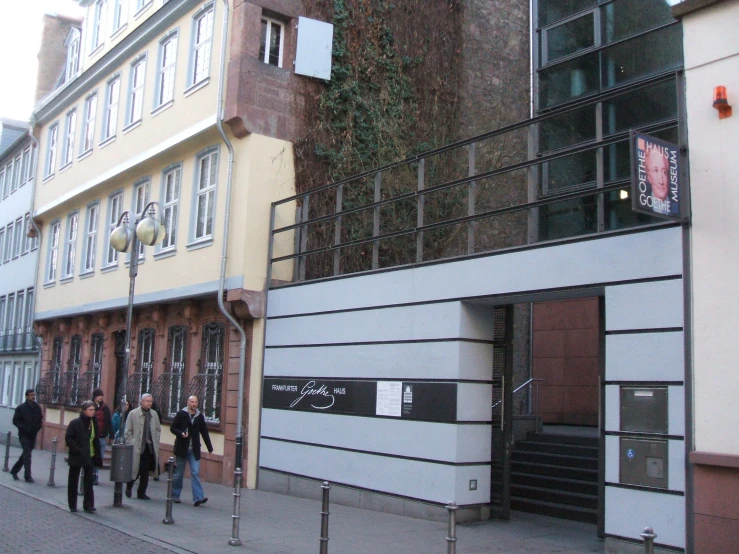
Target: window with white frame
(88,130)
(8,179)
(17,237)
(9,319)
(91,235)
(96,25)
(8,242)
(205,179)
(51,150)
(69,132)
(7,380)
(73,54)
(118,14)
(70,245)
(141,192)
(25,166)
(2,322)
(16,174)
(115,208)
(165,75)
(2,182)
(110,118)
(20,310)
(171,197)
(26,241)
(29,319)
(29,176)
(53,256)
(2,243)
(201,45)
(136,95)
(271,41)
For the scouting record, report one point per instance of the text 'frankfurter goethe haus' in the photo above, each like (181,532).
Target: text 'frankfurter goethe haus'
(430,401)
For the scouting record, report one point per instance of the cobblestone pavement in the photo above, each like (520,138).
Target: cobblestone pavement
(29,525)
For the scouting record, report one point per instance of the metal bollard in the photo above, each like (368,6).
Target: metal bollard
(53,464)
(648,535)
(168,519)
(81,482)
(324,518)
(451,540)
(7,451)
(236,516)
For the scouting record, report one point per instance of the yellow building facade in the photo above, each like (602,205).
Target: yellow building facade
(137,119)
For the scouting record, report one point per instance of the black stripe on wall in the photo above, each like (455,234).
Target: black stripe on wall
(380,454)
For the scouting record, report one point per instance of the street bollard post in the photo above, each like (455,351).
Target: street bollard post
(648,535)
(7,451)
(53,464)
(168,519)
(451,540)
(324,518)
(81,483)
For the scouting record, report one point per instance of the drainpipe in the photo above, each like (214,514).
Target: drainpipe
(238,471)
(34,164)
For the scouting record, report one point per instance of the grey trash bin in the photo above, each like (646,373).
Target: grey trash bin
(121,463)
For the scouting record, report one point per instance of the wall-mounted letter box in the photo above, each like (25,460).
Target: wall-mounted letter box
(644,409)
(644,462)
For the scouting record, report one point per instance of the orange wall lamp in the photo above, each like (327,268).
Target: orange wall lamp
(721,102)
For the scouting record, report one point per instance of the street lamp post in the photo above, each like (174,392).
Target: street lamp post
(149,231)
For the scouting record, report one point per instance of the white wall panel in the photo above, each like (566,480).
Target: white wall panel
(474,402)
(421,480)
(591,262)
(645,357)
(629,511)
(612,459)
(676,469)
(654,305)
(430,321)
(425,360)
(418,439)
(613,408)
(676,410)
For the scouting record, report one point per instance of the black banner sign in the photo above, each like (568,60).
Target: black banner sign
(429,401)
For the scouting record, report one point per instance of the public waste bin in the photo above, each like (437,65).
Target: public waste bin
(121,463)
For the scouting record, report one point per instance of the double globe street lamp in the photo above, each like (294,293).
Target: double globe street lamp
(149,231)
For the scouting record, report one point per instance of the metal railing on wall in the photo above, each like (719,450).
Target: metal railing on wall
(18,342)
(490,192)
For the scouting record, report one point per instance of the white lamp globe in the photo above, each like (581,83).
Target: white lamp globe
(121,238)
(150,231)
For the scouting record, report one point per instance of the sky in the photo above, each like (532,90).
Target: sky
(20,36)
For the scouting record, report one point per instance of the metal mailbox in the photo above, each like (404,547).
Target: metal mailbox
(644,409)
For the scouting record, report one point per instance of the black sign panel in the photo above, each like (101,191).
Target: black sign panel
(429,401)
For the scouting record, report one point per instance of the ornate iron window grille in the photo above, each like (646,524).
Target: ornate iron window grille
(207,384)
(169,389)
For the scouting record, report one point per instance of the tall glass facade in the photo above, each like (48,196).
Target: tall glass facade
(618,60)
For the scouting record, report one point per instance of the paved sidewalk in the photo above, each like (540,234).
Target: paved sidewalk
(278,524)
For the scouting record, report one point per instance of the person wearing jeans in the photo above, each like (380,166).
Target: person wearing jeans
(188,426)
(104,424)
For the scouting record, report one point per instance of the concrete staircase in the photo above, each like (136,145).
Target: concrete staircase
(556,475)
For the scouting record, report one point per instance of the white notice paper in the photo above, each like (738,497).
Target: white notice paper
(389,398)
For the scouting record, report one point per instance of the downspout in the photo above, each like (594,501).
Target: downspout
(238,472)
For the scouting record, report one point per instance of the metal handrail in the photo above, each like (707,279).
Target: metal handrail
(519,388)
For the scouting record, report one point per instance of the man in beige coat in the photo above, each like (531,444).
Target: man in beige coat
(143,430)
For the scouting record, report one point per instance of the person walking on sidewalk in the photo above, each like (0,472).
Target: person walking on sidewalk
(188,426)
(28,419)
(104,423)
(84,454)
(143,431)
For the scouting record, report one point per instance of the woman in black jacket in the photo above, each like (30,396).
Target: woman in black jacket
(84,453)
